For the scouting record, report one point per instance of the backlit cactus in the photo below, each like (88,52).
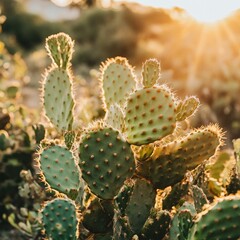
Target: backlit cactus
(106,161)
(168,163)
(133,174)
(57,88)
(60,219)
(117,81)
(149,115)
(59,169)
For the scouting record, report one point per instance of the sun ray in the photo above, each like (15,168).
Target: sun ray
(231,37)
(199,52)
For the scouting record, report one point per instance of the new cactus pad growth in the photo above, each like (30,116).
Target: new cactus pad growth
(150,73)
(135,173)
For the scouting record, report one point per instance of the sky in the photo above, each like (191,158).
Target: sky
(202,10)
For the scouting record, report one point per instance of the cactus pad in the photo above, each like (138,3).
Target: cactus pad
(156,226)
(114,117)
(220,221)
(140,202)
(150,115)
(58,99)
(59,169)
(150,72)
(199,198)
(118,81)
(182,222)
(168,164)
(187,108)
(60,49)
(60,219)
(106,161)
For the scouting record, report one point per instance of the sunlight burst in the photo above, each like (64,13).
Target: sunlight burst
(62,3)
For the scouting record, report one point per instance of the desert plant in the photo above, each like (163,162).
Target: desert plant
(112,178)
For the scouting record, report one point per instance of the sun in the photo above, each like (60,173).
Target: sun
(62,3)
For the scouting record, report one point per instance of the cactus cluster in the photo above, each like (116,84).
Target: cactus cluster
(133,174)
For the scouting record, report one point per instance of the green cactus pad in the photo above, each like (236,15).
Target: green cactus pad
(221,221)
(182,222)
(58,169)
(60,49)
(123,197)
(150,72)
(60,219)
(168,164)
(199,198)
(140,202)
(118,81)
(121,228)
(156,226)
(58,99)
(114,117)
(187,108)
(149,115)
(106,161)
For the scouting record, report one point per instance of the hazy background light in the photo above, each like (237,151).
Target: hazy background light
(201,10)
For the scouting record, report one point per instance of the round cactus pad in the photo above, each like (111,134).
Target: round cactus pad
(150,115)
(106,161)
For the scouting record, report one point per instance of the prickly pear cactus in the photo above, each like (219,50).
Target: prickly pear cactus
(130,174)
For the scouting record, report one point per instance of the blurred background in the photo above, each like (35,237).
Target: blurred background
(198,45)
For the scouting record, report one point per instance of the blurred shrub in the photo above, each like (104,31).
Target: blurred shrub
(27,29)
(103,33)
